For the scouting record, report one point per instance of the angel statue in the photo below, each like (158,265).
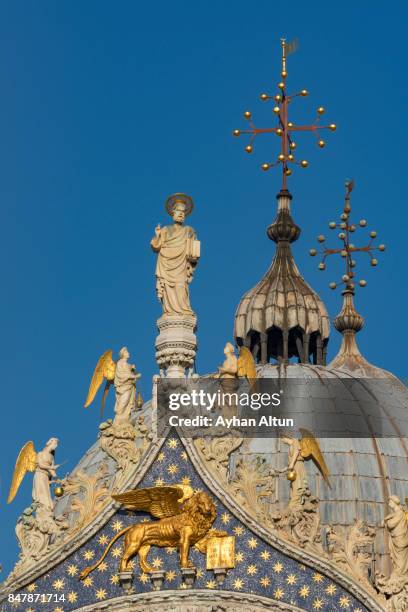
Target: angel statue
(299,452)
(185,520)
(44,468)
(178,253)
(235,367)
(123,375)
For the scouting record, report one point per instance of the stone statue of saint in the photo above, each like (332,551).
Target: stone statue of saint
(124,381)
(396,524)
(178,253)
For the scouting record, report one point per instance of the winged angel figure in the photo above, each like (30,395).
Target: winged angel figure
(123,375)
(299,452)
(44,468)
(185,520)
(233,366)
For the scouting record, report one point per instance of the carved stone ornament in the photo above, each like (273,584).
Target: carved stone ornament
(176,344)
(119,441)
(35,530)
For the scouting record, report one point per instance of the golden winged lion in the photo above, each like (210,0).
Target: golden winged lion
(185,520)
(105,370)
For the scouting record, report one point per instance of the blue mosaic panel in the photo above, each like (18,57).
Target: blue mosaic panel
(260,568)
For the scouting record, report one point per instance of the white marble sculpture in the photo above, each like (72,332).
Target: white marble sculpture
(178,253)
(396,524)
(45,471)
(124,381)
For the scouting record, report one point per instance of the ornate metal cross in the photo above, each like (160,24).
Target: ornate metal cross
(348,249)
(285,128)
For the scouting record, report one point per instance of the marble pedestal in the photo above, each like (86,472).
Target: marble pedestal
(176,344)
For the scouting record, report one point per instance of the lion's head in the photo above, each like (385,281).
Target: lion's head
(201,508)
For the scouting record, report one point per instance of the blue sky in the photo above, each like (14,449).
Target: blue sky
(106,109)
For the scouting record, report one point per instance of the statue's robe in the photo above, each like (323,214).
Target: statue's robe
(125,390)
(174,269)
(41,481)
(397,526)
(299,485)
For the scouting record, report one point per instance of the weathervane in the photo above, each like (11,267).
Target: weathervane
(285,128)
(347,250)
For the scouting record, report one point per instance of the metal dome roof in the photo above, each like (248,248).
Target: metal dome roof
(282,316)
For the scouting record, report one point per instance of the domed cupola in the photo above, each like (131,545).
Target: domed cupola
(282,317)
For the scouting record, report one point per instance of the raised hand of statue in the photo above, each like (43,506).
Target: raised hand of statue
(157,230)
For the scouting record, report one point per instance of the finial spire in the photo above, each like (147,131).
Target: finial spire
(348,322)
(285,128)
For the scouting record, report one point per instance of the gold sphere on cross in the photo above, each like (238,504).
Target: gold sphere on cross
(281,85)
(236,132)
(321,143)
(381,247)
(281,157)
(312,252)
(247,115)
(304,163)
(291,157)
(291,475)
(284,74)
(362,283)
(320,110)
(59,491)
(276,109)
(374,261)
(290,124)
(279,132)
(265,167)
(288,171)
(332,285)
(304,92)
(278,98)
(248,149)
(292,145)
(264,96)
(333,127)
(322,266)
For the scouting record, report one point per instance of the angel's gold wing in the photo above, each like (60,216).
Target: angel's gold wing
(160,502)
(26,462)
(246,364)
(310,449)
(105,369)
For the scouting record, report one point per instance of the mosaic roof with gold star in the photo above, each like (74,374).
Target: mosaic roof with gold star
(260,568)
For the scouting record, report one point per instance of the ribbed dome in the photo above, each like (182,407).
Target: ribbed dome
(364,470)
(282,317)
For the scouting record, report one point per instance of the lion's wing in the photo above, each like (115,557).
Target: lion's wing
(160,502)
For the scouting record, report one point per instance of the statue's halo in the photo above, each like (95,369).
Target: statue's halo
(176,198)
